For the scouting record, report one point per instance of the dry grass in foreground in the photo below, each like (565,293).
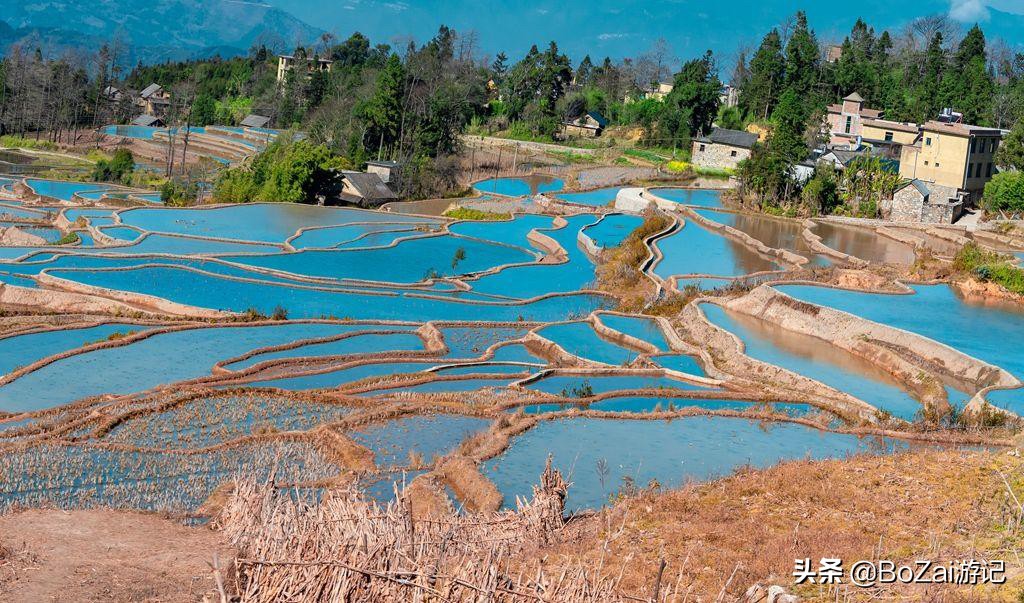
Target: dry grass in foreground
(716,539)
(719,538)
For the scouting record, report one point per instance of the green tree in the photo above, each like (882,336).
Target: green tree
(204,111)
(730,118)
(1005,191)
(969,86)
(1011,150)
(118,168)
(802,59)
(692,105)
(765,78)
(382,113)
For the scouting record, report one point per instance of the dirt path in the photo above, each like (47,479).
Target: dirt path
(104,556)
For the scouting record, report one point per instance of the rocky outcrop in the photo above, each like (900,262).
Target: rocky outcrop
(12,236)
(986,291)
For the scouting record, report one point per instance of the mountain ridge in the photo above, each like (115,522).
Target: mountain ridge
(164,30)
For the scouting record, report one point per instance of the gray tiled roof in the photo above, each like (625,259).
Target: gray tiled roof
(369,186)
(255,121)
(732,138)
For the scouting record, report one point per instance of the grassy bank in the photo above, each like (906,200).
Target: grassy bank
(990,266)
(619,272)
(468,213)
(724,536)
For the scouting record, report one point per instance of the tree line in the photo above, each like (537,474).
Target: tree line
(412,103)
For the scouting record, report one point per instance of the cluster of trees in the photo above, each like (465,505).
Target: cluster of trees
(412,104)
(118,168)
(786,86)
(289,170)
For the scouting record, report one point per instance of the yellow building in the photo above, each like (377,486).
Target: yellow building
(953,155)
(887,131)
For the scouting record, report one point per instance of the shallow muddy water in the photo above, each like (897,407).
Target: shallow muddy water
(864,243)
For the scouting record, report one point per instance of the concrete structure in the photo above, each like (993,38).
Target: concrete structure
(920,201)
(953,155)
(845,121)
(729,95)
(886,131)
(833,53)
(722,149)
(589,125)
(154,100)
(288,62)
(840,158)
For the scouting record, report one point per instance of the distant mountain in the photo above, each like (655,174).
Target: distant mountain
(153,30)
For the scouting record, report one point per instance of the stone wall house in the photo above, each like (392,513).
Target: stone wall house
(588,125)
(927,202)
(722,149)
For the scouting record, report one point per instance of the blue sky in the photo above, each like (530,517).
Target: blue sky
(628,27)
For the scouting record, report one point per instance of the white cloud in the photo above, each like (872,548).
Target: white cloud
(968,11)
(612,36)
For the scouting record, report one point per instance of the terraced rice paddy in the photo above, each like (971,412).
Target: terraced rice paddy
(336,345)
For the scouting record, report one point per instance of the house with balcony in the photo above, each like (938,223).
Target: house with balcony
(287,63)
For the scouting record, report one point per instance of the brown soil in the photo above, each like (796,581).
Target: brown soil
(104,555)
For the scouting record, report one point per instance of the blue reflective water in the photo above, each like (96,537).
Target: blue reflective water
(357,344)
(580,339)
(141,132)
(690,196)
(679,362)
(613,229)
(341,377)
(510,233)
(525,282)
(519,187)
(207,291)
(429,436)
(59,189)
(818,360)
(572,386)
(640,327)
(937,312)
(135,367)
(355,233)
(409,262)
(22,350)
(266,222)
(694,249)
(595,198)
(671,452)
(642,404)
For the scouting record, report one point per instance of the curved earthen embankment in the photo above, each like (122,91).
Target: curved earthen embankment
(771,253)
(910,358)
(123,300)
(814,242)
(723,356)
(64,301)
(618,337)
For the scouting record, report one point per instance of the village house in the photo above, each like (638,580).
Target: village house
(722,149)
(845,121)
(656,92)
(887,132)
(288,62)
(255,121)
(951,154)
(588,125)
(386,170)
(365,189)
(154,100)
(920,201)
(148,121)
(833,53)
